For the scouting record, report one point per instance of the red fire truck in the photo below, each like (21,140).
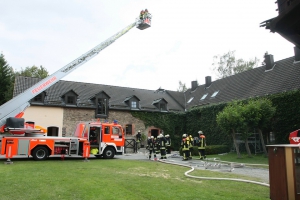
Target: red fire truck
(101,139)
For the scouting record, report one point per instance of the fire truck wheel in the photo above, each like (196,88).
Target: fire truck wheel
(108,153)
(40,153)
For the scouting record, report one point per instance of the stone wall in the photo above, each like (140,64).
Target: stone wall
(71,116)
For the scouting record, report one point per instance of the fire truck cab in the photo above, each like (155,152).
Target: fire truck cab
(106,139)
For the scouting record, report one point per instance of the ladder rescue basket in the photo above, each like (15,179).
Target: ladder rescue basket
(144,23)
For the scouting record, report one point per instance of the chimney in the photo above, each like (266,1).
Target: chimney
(194,85)
(297,54)
(269,61)
(207,81)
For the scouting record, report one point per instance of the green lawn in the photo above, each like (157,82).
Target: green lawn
(117,179)
(256,160)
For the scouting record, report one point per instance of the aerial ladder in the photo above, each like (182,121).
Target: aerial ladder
(15,107)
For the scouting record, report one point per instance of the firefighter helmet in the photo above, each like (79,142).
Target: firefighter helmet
(152,136)
(200,132)
(184,135)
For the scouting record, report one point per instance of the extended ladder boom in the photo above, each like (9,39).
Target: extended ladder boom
(18,104)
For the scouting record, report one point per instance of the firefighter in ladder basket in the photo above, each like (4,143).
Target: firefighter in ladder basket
(144,20)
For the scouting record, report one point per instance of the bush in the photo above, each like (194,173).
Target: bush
(216,149)
(209,150)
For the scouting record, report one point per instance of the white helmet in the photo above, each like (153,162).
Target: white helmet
(167,136)
(184,135)
(152,136)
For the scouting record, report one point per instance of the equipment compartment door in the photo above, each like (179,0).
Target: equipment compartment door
(23,147)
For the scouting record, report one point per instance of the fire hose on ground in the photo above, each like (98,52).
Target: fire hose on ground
(213,178)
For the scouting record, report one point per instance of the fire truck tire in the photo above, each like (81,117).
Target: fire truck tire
(108,153)
(40,153)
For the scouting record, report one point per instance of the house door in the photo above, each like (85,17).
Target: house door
(154,132)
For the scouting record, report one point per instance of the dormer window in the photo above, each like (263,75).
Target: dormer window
(132,102)
(70,98)
(101,101)
(39,98)
(101,106)
(161,104)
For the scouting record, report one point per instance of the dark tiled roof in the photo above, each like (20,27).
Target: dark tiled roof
(86,91)
(285,76)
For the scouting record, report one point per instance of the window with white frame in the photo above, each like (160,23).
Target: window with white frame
(133,104)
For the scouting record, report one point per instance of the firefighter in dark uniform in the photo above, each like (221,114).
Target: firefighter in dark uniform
(185,147)
(191,141)
(201,145)
(138,139)
(151,144)
(162,146)
(156,145)
(168,145)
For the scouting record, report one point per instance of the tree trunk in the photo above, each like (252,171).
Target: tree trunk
(247,148)
(262,142)
(236,144)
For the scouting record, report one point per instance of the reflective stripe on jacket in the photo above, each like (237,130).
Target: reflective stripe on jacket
(202,142)
(185,144)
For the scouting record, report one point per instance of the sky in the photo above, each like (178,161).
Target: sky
(179,46)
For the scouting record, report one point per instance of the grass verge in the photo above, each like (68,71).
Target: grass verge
(118,179)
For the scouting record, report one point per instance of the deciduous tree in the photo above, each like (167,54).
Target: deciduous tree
(34,71)
(230,120)
(227,64)
(182,87)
